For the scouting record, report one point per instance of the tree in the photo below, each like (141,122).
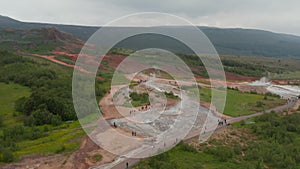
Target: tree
(41,116)
(15,133)
(56,120)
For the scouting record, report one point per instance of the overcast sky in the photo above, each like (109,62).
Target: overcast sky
(275,15)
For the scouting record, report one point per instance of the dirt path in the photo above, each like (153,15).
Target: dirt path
(52,59)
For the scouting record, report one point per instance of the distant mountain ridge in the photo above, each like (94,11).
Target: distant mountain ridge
(229,41)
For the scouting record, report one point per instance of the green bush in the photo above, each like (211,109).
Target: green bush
(6,155)
(279,147)
(56,120)
(171,95)
(34,133)
(259,104)
(222,153)
(162,161)
(186,147)
(260,164)
(1,120)
(61,149)
(15,133)
(139,99)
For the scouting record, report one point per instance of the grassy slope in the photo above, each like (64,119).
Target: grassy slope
(189,158)
(64,138)
(288,75)
(9,93)
(239,104)
(61,139)
(277,68)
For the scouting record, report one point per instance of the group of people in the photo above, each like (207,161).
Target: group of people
(221,122)
(133,133)
(147,107)
(131,111)
(141,81)
(292,99)
(175,83)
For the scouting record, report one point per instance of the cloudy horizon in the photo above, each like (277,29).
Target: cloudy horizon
(276,16)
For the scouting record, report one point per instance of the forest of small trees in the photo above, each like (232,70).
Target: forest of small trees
(50,101)
(51,98)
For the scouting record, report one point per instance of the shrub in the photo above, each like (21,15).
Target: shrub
(260,164)
(186,147)
(97,157)
(41,116)
(259,104)
(171,95)
(15,133)
(61,149)
(223,153)
(56,120)
(6,156)
(1,120)
(139,99)
(20,104)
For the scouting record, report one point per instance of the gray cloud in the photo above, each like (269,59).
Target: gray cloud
(275,15)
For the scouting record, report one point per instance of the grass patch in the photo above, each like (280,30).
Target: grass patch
(287,75)
(139,99)
(9,93)
(170,95)
(96,157)
(133,84)
(239,103)
(63,139)
(184,156)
